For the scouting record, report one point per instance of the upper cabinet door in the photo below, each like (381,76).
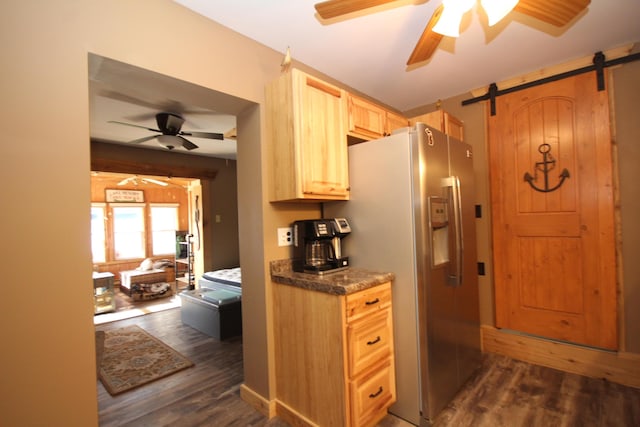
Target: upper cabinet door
(306,127)
(442,121)
(322,139)
(366,120)
(395,121)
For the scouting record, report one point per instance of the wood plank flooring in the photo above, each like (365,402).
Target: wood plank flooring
(503,392)
(507,392)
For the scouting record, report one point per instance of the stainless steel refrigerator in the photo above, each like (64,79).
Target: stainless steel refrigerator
(412,213)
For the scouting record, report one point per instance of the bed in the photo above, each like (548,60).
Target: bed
(142,285)
(228,278)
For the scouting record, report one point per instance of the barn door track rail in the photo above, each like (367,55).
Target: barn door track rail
(599,64)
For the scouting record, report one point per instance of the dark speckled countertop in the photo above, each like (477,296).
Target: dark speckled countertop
(339,283)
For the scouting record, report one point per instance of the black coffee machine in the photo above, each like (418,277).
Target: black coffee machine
(317,245)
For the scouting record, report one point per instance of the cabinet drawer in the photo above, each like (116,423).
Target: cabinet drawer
(370,340)
(104,299)
(368,301)
(372,394)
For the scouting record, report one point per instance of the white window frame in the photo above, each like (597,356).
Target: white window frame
(114,232)
(94,244)
(172,231)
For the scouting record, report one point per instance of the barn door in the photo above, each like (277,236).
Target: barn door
(552,206)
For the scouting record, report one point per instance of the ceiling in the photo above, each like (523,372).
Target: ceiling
(124,93)
(369,51)
(366,51)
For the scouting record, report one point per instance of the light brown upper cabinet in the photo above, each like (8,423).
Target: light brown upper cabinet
(395,121)
(442,121)
(306,124)
(370,121)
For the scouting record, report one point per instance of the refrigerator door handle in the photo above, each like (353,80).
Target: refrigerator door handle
(455,272)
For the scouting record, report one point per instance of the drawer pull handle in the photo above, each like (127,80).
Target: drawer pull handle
(375,301)
(376,394)
(374,341)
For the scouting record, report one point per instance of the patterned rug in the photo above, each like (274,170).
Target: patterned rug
(130,357)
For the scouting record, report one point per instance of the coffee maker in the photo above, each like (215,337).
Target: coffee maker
(317,245)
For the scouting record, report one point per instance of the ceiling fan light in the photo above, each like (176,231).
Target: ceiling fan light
(449,22)
(169,141)
(497,9)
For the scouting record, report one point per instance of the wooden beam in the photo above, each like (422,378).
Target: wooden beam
(109,157)
(137,168)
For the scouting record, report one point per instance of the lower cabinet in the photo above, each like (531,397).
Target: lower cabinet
(104,299)
(334,356)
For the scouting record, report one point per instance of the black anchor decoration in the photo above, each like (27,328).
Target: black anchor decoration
(547,164)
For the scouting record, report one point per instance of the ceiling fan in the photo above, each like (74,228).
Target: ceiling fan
(171,136)
(134,180)
(446,18)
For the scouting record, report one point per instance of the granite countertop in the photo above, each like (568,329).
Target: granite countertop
(339,283)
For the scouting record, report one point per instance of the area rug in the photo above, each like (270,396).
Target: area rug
(130,357)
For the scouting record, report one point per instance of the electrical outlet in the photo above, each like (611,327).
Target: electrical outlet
(285,236)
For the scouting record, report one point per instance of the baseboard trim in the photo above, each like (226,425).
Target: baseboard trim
(259,403)
(271,408)
(617,367)
(292,417)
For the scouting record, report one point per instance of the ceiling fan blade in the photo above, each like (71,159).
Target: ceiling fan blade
(135,126)
(141,140)
(554,12)
(154,181)
(333,8)
(129,99)
(187,145)
(209,135)
(126,181)
(429,40)
(231,133)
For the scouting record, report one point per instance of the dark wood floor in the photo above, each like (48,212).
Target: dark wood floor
(504,392)
(204,395)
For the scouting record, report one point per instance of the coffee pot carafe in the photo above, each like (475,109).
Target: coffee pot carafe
(317,245)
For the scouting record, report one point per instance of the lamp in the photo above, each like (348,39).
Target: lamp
(497,9)
(449,22)
(169,141)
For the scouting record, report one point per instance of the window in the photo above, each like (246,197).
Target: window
(133,231)
(98,234)
(164,223)
(128,231)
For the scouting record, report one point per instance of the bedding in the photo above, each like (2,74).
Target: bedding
(143,285)
(229,278)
